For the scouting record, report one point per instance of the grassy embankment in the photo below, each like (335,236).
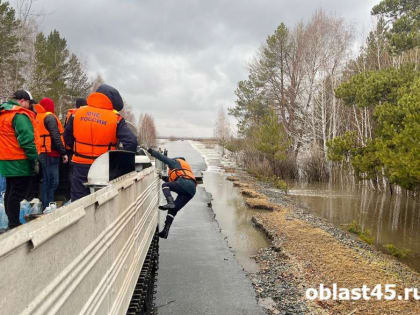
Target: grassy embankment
(318,256)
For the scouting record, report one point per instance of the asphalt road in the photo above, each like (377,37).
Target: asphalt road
(198,273)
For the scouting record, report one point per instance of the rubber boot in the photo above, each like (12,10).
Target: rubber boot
(170,204)
(165,231)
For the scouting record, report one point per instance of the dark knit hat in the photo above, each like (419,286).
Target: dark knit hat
(113,95)
(80,102)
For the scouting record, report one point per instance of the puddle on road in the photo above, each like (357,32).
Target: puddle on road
(233,216)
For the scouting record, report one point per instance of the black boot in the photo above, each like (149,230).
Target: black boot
(170,204)
(164,233)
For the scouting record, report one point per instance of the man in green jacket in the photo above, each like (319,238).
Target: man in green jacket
(18,151)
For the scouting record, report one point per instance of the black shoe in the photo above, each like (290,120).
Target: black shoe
(164,233)
(170,203)
(168,206)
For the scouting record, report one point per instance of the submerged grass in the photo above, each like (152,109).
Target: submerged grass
(396,252)
(364,235)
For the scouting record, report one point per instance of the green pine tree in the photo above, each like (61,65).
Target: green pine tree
(58,74)
(10,78)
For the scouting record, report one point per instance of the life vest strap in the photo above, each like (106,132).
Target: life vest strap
(97,145)
(85,156)
(184,175)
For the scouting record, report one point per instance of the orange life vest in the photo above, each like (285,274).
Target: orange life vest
(70,112)
(94,129)
(184,172)
(9,145)
(44,134)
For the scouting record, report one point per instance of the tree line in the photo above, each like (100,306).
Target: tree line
(309,110)
(44,65)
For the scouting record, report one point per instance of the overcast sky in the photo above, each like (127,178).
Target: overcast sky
(180,60)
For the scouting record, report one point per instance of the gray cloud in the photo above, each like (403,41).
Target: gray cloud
(179,60)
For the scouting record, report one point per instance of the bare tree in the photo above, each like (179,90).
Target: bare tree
(97,82)
(147,130)
(127,113)
(222,130)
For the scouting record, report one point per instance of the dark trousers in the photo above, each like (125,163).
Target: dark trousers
(182,198)
(79,173)
(65,176)
(17,189)
(49,166)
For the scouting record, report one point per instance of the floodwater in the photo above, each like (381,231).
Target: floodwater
(390,219)
(232,215)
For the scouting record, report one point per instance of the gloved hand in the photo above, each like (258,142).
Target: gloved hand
(150,150)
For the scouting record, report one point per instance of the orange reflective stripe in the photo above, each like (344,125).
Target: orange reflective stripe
(184,172)
(9,145)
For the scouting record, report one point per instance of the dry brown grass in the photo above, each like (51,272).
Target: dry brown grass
(232,178)
(260,203)
(320,258)
(251,193)
(240,184)
(229,169)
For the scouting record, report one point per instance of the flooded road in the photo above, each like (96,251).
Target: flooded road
(198,273)
(390,219)
(232,215)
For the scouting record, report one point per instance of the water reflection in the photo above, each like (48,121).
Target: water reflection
(391,219)
(233,217)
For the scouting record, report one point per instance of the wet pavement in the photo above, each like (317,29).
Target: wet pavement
(198,273)
(232,215)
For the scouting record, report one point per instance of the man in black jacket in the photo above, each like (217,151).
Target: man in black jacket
(52,147)
(181,180)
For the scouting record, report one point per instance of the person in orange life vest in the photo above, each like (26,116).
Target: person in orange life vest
(66,169)
(93,130)
(79,102)
(18,151)
(52,147)
(180,180)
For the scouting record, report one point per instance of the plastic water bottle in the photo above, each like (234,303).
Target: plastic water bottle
(4,221)
(36,206)
(47,210)
(25,209)
(51,207)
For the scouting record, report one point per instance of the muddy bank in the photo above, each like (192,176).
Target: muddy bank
(307,251)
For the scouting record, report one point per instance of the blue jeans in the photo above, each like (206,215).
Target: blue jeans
(49,165)
(2,184)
